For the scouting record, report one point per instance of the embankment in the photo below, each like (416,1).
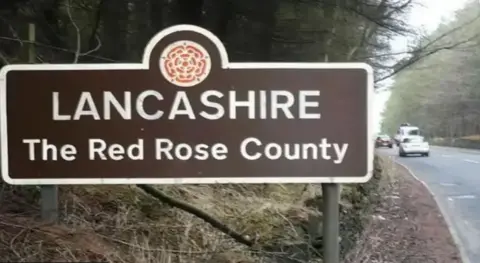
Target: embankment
(468,142)
(224,223)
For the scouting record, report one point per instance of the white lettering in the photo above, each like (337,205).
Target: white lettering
(202,152)
(109,100)
(140,107)
(219,151)
(184,151)
(292,151)
(31,147)
(273,151)
(117,152)
(303,104)
(263,104)
(313,148)
(244,145)
(249,103)
(292,154)
(276,105)
(56,109)
(96,146)
(324,145)
(181,99)
(340,152)
(160,148)
(68,152)
(212,105)
(49,152)
(86,107)
(183,147)
(204,98)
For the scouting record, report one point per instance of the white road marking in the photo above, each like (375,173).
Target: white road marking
(461,197)
(470,161)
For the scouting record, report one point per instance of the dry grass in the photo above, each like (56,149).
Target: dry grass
(123,224)
(370,242)
(475,137)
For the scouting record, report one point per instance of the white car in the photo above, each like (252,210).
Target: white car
(406,131)
(414,145)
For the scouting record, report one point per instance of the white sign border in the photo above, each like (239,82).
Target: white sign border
(145,65)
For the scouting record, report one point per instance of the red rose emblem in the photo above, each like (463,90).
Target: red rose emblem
(186,64)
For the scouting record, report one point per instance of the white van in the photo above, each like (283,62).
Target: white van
(405,131)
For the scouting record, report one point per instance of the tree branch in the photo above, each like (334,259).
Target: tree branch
(418,58)
(3,59)
(197,212)
(368,32)
(87,54)
(77,32)
(94,34)
(96,48)
(451,31)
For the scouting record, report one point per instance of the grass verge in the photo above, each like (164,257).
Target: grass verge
(406,225)
(124,224)
(468,142)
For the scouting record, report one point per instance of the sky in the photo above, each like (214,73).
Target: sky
(426,16)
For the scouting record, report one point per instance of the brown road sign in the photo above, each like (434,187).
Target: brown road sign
(186,115)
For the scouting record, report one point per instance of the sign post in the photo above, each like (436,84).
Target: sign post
(186,115)
(48,193)
(331,247)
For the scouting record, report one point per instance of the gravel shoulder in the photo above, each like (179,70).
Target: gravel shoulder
(406,225)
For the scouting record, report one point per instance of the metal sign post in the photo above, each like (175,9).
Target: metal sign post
(331,246)
(49,203)
(48,193)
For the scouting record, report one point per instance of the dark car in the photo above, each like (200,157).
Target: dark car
(384,141)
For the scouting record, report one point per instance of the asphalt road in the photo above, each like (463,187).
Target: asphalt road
(453,175)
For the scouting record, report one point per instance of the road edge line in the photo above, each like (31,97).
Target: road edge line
(453,232)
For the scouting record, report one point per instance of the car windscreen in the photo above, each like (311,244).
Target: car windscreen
(413,140)
(413,132)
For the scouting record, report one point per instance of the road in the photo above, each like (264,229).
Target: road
(453,175)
